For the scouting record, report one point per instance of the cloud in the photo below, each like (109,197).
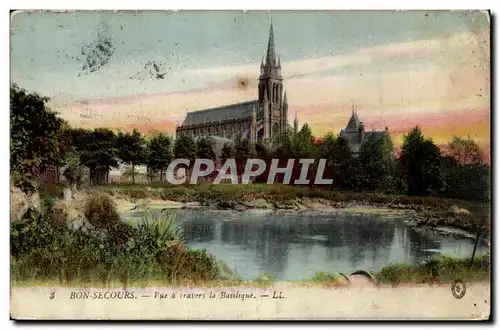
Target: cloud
(395,83)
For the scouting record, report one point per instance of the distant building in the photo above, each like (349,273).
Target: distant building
(355,133)
(258,120)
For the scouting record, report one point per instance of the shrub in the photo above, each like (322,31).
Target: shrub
(322,277)
(265,279)
(183,264)
(161,228)
(101,212)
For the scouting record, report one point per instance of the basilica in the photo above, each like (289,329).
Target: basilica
(262,119)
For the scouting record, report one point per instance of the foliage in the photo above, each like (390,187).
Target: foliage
(159,153)
(442,270)
(265,279)
(243,150)
(185,147)
(98,150)
(378,164)
(421,160)
(341,166)
(73,171)
(121,253)
(34,132)
(465,151)
(205,149)
(131,149)
(227,152)
(302,143)
(261,150)
(325,277)
(161,228)
(101,212)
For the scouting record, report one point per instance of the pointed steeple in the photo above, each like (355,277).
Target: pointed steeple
(285,101)
(271,54)
(295,124)
(354,122)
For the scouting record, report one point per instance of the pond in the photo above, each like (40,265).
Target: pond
(294,246)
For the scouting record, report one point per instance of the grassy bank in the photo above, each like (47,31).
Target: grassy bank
(103,249)
(212,194)
(442,271)
(432,211)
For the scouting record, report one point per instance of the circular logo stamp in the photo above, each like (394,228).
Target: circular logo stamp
(458,289)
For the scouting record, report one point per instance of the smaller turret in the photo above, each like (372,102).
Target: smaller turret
(361,130)
(295,124)
(253,126)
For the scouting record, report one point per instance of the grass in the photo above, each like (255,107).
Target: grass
(108,253)
(213,193)
(443,270)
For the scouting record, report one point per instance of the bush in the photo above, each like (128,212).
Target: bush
(155,250)
(265,279)
(101,212)
(322,277)
(442,270)
(161,228)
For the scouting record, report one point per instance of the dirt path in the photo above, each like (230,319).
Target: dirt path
(291,301)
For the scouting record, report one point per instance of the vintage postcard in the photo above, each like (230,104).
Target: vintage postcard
(250,165)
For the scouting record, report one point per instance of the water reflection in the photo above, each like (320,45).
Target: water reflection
(295,246)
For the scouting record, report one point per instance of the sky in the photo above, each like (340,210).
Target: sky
(399,68)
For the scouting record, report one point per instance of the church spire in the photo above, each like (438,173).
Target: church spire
(271,54)
(285,101)
(295,123)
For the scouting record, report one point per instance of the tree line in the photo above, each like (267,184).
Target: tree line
(40,138)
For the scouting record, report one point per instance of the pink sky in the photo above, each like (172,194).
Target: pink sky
(441,84)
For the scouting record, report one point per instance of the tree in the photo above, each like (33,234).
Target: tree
(131,149)
(243,150)
(420,158)
(73,172)
(185,147)
(345,168)
(302,146)
(261,150)
(378,164)
(159,153)
(205,149)
(98,150)
(465,174)
(282,147)
(227,152)
(34,138)
(465,151)
(340,163)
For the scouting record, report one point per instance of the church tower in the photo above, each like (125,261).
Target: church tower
(271,93)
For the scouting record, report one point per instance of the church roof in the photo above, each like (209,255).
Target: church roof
(354,138)
(375,135)
(354,122)
(227,112)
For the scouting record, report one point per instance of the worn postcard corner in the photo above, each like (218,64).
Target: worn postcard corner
(250,165)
